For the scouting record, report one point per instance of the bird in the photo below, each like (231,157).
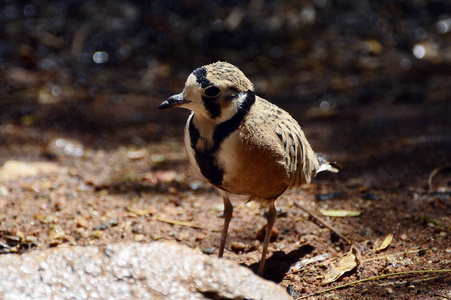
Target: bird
(243,144)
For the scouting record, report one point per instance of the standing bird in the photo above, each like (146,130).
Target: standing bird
(242,143)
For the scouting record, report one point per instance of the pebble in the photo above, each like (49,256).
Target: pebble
(97,234)
(13,169)
(139,237)
(137,154)
(4,191)
(239,247)
(261,233)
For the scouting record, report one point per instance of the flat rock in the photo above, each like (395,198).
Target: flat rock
(13,169)
(157,270)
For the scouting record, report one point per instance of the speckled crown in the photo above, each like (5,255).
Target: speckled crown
(224,71)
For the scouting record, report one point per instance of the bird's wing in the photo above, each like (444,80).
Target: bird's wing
(282,133)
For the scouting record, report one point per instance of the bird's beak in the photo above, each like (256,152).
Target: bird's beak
(173,101)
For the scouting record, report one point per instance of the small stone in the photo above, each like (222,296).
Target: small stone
(254,245)
(137,154)
(81,222)
(209,251)
(173,191)
(158,158)
(261,233)
(218,207)
(139,238)
(4,191)
(96,234)
(238,247)
(15,169)
(31,239)
(12,240)
(156,237)
(201,236)
(56,232)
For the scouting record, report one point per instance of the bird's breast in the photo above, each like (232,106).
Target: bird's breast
(251,167)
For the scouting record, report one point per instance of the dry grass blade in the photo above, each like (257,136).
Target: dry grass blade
(181,223)
(371,279)
(411,251)
(435,172)
(341,213)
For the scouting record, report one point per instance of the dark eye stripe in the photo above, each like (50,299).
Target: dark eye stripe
(212,107)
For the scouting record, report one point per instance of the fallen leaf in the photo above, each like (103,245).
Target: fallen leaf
(346,264)
(339,213)
(385,243)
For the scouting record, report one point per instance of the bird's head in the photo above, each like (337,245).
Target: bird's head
(214,91)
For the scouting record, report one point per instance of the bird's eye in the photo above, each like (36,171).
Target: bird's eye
(212,92)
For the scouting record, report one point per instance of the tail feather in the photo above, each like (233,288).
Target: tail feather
(325,165)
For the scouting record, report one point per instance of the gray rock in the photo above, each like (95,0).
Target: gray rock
(158,270)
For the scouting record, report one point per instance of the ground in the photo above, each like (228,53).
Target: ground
(125,187)
(369,84)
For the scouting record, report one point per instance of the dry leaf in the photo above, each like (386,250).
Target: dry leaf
(339,213)
(385,243)
(346,264)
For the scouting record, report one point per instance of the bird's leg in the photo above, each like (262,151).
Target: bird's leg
(271,218)
(228,211)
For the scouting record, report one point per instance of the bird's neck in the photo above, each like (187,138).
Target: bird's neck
(214,131)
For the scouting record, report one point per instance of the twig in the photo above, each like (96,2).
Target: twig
(181,223)
(391,254)
(323,223)
(434,173)
(373,278)
(441,295)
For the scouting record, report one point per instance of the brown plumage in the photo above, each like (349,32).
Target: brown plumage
(243,144)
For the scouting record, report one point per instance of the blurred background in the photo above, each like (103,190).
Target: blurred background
(369,81)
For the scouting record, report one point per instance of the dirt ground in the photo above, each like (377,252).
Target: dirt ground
(127,187)
(115,168)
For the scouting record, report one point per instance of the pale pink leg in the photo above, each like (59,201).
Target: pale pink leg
(271,218)
(228,212)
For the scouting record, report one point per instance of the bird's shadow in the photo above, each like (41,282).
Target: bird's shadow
(280,262)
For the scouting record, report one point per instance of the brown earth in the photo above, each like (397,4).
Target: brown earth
(125,187)
(117,170)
